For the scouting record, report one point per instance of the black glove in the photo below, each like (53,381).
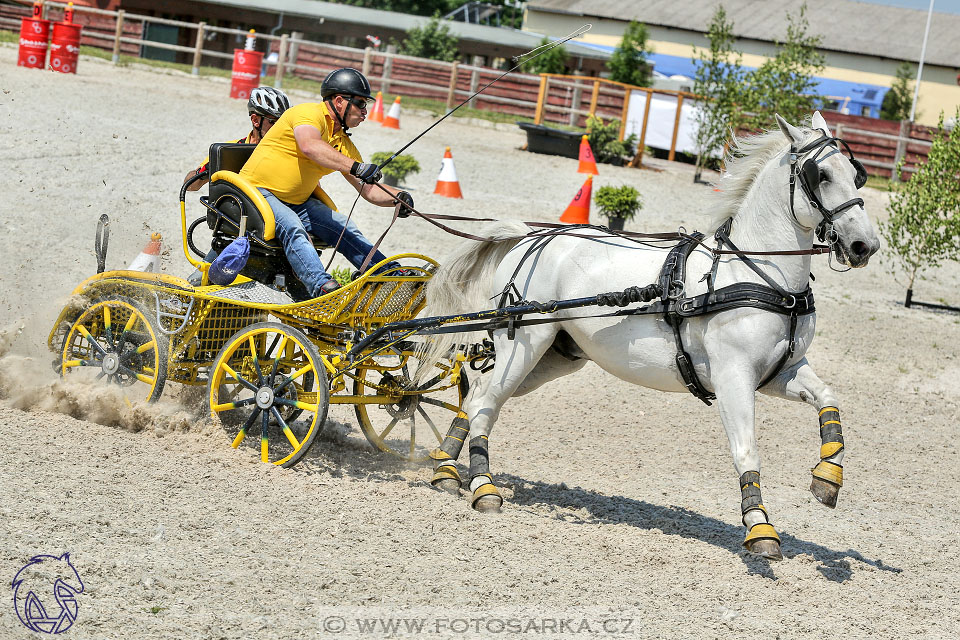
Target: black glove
(366,171)
(405,199)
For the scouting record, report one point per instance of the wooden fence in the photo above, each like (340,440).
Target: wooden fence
(547,98)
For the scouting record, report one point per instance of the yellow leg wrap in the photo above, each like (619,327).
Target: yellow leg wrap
(828,449)
(440,455)
(488,489)
(832,473)
(445,472)
(761,531)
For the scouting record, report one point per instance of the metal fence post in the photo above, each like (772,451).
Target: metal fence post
(198,51)
(901,150)
(387,68)
(116,40)
(281,61)
(452,91)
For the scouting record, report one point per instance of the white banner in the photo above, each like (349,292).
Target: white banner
(663,113)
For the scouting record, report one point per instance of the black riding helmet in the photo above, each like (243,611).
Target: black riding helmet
(344,82)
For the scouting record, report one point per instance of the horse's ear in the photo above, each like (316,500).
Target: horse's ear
(793,134)
(819,123)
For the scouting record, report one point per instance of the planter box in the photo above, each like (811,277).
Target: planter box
(554,142)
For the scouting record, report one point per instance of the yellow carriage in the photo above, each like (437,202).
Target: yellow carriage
(272,364)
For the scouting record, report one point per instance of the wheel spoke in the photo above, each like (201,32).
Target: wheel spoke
(413,434)
(132,320)
(107,329)
(67,364)
(246,425)
(236,376)
(276,360)
(286,429)
(426,417)
(264,437)
(86,334)
(146,346)
(296,404)
(100,375)
(227,406)
(433,381)
(389,428)
(256,359)
(293,376)
(439,403)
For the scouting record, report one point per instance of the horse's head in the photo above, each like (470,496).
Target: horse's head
(824,181)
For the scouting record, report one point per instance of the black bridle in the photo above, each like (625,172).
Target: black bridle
(807,173)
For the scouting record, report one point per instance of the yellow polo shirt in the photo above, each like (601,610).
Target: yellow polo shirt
(278,165)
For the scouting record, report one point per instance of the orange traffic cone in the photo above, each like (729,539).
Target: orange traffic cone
(376,113)
(588,163)
(149,258)
(447,184)
(392,121)
(579,210)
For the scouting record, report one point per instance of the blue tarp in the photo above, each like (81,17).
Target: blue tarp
(855,98)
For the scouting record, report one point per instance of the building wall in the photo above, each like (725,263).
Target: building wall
(939,88)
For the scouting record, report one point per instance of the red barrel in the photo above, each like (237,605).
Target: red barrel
(246,73)
(33,43)
(65,47)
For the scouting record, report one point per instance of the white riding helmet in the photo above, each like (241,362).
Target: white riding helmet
(267,101)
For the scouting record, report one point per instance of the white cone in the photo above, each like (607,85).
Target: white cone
(149,258)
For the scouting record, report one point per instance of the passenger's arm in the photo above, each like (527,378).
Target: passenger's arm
(196,185)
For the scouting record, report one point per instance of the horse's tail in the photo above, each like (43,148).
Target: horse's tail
(462,285)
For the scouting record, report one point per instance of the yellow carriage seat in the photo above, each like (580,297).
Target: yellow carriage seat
(230,199)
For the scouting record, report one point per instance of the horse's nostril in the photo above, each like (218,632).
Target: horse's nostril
(860,249)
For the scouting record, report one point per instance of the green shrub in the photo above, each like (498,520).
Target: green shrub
(400,168)
(618,202)
(604,143)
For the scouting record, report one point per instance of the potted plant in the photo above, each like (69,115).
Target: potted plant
(605,143)
(618,204)
(398,169)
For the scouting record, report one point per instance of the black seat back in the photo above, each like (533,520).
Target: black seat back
(229,156)
(232,203)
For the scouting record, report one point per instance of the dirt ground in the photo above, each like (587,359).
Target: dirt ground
(622,506)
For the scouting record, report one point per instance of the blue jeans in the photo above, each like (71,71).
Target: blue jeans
(295,221)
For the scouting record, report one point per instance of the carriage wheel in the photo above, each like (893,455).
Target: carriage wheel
(117,341)
(269,380)
(399,418)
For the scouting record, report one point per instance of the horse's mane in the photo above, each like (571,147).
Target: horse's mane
(744,162)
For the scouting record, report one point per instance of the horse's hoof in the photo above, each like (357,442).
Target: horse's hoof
(448,485)
(825,492)
(769,549)
(488,504)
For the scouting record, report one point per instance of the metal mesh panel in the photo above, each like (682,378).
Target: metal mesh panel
(222,321)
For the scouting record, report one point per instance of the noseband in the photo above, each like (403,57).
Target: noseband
(807,173)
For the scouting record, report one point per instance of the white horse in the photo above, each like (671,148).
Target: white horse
(776,202)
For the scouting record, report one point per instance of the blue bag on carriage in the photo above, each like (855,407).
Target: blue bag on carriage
(227,266)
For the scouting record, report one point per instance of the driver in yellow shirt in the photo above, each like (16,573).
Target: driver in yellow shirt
(308,142)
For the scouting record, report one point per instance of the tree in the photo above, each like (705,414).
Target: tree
(552,61)
(432,40)
(628,64)
(718,79)
(785,84)
(923,228)
(898,101)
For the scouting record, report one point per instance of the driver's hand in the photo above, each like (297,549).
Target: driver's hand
(367,172)
(406,200)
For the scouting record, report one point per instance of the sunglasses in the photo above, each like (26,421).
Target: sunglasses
(272,121)
(358,102)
